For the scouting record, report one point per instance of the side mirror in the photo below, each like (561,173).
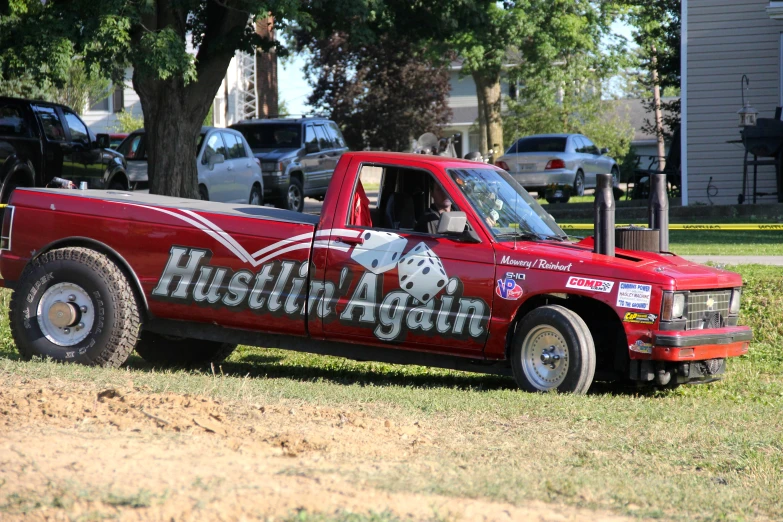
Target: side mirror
(216,159)
(604,151)
(312,147)
(452,223)
(103,141)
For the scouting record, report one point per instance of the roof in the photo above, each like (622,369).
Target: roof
(442,161)
(204,130)
(257,121)
(24,100)
(633,109)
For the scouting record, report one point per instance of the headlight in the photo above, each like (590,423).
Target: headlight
(734,304)
(268,165)
(674,305)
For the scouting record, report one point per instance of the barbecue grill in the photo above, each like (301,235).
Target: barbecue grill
(764,140)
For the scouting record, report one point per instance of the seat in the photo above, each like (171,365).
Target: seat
(398,212)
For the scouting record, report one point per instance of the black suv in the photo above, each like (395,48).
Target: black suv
(298,157)
(41,140)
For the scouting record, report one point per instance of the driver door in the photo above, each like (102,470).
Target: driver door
(394,286)
(85,157)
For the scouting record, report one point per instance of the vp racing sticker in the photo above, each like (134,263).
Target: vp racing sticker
(634,295)
(595,285)
(640,347)
(508,289)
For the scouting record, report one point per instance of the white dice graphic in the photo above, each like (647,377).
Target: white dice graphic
(421,273)
(380,251)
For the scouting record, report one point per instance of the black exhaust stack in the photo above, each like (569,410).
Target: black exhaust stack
(604,215)
(658,209)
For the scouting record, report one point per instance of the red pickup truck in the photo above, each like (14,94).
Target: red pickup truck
(451,264)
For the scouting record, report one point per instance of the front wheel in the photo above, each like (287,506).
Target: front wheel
(256,196)
(553,350)
(74,305)
(203,194)
(166,350)
(295,196)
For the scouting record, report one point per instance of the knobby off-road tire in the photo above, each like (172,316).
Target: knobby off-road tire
(553,350)
(167,350)
(75,305)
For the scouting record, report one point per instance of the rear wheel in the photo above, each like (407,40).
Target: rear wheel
(553,350)
(170,350)
(579,183)
(74,305)
(203,194)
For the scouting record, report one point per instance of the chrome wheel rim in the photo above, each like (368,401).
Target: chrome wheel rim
(66,314)
(294,197)
(545,357)
(255,198)
(615,175)
(580,186)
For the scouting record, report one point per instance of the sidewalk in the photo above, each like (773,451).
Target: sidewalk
(738,260)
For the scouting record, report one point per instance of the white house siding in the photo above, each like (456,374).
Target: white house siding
(106,121)
(726,39)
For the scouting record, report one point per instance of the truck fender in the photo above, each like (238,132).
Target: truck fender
(86,242)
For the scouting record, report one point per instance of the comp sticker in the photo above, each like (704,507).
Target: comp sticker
(634,295)
(596,285)
(639,317)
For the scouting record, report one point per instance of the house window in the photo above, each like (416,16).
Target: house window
(118,98)
(101,105)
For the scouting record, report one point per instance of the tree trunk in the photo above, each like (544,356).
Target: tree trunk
(483,145)
(173,110)
(491,123)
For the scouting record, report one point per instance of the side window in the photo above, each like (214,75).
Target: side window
(233,146)
(310,135)
(337,136)
(391,198)
(324,141)
(78,129)
(131,148)
(50,121)
(214,146)
(12,122)
(590,147)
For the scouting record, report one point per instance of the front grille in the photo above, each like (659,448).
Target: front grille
(708,309)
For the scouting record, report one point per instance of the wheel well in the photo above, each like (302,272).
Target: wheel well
(298,175)
(15,176)
(121,177)
(112,254)
(202,185)
(611,343)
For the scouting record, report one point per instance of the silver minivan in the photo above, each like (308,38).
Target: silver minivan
(227,170)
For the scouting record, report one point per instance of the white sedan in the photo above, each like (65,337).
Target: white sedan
(540,161)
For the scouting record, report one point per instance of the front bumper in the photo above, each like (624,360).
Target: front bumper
(275,187)
(699,345)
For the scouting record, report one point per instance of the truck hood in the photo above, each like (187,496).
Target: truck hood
(275,154)
(666,269)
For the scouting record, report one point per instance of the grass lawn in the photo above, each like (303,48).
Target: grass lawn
(708,452)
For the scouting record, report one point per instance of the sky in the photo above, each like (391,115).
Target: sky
(294,89)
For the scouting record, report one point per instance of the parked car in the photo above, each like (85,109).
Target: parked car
(540,161)
(298,157)
(40,141)
(116,138)
(227,171)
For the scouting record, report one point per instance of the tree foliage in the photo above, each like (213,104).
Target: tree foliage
(381,94)
(565,65)
(657,29)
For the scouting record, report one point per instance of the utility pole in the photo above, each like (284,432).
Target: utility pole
(658,116)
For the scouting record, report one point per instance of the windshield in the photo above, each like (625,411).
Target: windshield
(538,145)
(506,208)
(272,136)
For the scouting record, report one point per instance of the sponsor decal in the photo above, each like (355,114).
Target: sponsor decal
(596,285)
(515,275)
(541,264)
(640,347)
(639,318)
(508,289)
(634,295)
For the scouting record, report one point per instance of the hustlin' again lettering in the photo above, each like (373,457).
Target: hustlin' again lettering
(278,288)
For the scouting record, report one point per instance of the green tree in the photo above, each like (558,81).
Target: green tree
(564,66)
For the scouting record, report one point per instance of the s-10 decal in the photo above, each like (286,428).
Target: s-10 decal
(431,305)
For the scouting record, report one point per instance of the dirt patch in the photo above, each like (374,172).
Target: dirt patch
(70,451)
